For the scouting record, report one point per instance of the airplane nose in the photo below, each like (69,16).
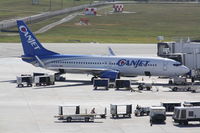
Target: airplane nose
(185,69)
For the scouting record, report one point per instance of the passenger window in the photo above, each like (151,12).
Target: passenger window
(177,113)
(183,114)
(190,113)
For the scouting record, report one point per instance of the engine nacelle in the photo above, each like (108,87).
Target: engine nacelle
(112,75)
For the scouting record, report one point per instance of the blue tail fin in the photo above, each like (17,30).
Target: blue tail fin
(31,45)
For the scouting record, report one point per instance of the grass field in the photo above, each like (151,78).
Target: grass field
(20,8)
(149,21)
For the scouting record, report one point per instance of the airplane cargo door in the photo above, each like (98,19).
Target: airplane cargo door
(165,66)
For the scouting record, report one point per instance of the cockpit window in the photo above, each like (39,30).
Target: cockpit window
(177,64)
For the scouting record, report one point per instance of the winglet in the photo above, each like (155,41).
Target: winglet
(111,53)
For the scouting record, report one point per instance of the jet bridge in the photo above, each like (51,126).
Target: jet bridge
(185,51)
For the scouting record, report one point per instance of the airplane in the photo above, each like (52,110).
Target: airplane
(111,66)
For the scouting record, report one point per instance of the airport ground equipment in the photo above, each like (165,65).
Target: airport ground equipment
(44,80)
(120,83)
(157,114)
(121,111)
(143,86)
(141,111)
(169,106)
(181,88)
(76,116)
(178,81)
(191,103)
(101,83)
(24,80)
(195,90)
(183,115)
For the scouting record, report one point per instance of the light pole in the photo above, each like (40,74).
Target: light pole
(50,5)
(62,4)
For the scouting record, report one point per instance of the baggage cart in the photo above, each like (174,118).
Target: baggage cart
(121,111)
(44,80)
(24,80)
(76,116)
(119,83)
(101,83)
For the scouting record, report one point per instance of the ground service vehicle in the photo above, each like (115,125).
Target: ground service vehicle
(24,80)
(157,114)
(181,88)
(183,115)
(141,111)
(147,86)
(178,81)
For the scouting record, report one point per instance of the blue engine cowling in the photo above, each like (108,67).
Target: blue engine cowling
(111,74)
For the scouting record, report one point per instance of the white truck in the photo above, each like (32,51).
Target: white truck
(183,115)
(143,86)
(178,81)
(157,114)
(195,89)
(180,88)
(187,87)
(141,111)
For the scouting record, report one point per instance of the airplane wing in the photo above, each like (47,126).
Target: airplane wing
(93,71)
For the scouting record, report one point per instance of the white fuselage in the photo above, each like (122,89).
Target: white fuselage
(127,66)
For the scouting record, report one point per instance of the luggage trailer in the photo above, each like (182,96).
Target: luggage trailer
(121,111)
(24,80)
(76,116)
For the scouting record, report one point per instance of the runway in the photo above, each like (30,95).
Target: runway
(33,109)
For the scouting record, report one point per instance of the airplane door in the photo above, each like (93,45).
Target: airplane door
(165,66)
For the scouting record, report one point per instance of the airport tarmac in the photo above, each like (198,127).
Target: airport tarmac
(33,109)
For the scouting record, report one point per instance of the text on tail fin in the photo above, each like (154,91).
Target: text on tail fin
(31,45)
